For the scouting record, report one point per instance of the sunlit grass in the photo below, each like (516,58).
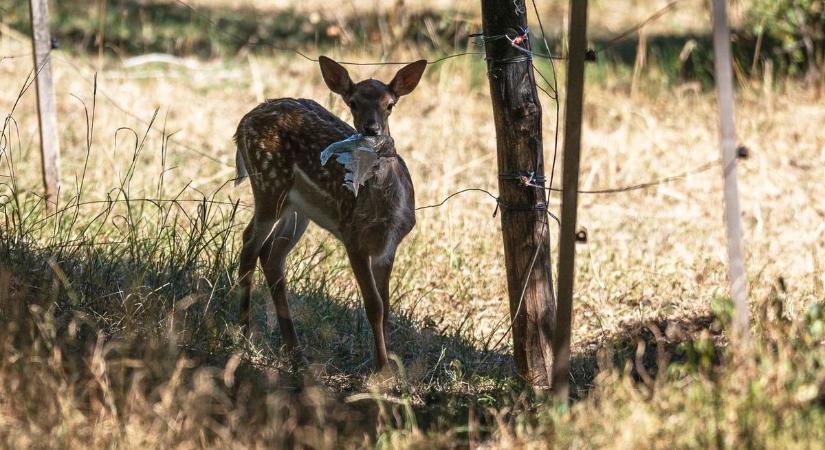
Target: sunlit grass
(119,323)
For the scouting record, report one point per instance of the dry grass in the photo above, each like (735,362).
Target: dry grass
(653,256)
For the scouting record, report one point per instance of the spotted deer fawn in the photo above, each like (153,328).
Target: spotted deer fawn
(279,146)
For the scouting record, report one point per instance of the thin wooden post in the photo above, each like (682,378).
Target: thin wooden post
(727,132)
(517,114)
(569,198)
(47,111)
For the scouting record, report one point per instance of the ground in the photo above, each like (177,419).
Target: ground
(650,288)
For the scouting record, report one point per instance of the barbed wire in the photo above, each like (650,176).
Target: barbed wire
(530,180)
(534,181)
(515,41)
(635,187)
(550,89)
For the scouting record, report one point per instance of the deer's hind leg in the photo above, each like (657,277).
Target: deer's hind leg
(287,233)
(255,236)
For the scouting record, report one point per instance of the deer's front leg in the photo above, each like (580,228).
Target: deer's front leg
(382,269)
(373,303)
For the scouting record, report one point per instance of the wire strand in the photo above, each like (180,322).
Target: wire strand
(449,197)
(635,187)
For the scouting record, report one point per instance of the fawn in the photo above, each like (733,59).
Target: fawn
(279,145)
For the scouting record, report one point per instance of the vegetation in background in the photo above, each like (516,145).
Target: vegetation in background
(135,27)
(798,26)
(788,34)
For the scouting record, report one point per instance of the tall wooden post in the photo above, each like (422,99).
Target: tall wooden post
(727,132)
(517,114)
(47,111)
(570,197)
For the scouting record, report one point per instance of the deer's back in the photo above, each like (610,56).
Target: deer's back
(288,131)
(280,135)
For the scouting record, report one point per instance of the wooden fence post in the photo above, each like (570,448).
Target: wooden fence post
(47,111)
(569,198)
(517,114)
(727,132)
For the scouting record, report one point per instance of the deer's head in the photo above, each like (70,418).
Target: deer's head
(371,101)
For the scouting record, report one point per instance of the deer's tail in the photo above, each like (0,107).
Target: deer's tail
(240,166)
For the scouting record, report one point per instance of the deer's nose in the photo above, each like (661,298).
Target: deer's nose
(372,129)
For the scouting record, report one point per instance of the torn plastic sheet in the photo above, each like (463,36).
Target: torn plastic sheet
(359,155)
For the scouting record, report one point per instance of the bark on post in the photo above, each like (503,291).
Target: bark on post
(569,199)
(517,114)
(47,111)
(727,134)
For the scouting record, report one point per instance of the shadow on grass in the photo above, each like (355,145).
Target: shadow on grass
(162,313)
(154,319)
(643,350)
(336,335)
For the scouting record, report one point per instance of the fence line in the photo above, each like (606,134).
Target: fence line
(551,91)
(515,41)
(633,187)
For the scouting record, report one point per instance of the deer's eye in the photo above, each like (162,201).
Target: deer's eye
(351,104)
(389,107)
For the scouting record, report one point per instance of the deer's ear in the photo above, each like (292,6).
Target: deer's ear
(335,76)
(408,77)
